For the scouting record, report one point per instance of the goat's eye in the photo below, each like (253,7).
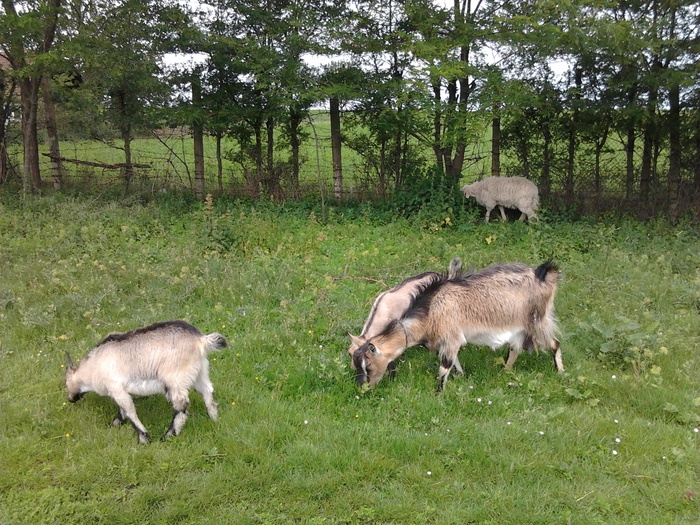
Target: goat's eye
(372,348)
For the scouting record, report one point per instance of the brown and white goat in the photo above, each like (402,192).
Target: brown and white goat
(504,304)
(164,358)
(393,304)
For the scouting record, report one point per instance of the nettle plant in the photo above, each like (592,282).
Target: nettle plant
(625,344)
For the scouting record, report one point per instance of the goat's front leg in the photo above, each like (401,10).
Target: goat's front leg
(447,361)
(119,419)
(127,410)
(392,370)
(556,351)
(503,213)
(512,357)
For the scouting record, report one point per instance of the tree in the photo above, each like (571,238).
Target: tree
(7,90)
(27,37)
(117,48)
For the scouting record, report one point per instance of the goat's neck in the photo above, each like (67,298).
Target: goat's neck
(397,341)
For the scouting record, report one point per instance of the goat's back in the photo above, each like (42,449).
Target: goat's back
(498,296)
(163,346)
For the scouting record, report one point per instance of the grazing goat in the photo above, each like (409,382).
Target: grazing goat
(392,305)
(511,192)
(164,358)
(504,304)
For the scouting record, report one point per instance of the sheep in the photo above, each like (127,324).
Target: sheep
(511,192)
(164,358)
(392,304)
(503,304)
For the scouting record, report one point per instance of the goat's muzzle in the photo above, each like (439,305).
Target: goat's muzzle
(360,366)
(73,398)
(361,377)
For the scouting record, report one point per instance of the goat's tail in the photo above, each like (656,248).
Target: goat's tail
(455,270)
(213,342)
(547,272)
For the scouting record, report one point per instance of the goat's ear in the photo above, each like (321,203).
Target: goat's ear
(357,340)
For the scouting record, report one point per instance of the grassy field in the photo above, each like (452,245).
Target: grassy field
(612,441)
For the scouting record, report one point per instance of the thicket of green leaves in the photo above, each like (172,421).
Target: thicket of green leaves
(595,101)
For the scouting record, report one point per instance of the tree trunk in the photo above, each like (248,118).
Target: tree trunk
(7,87)
(647,156)
(650,139)
(571,153)
(128,165)
(674,147)
(546,179)
(295,119)
(696,170)
(336,148)
(52,132)
(198,136)
(219,163)
(437,125)
(629,143)
(271,178)
(254,181)
(29,96)
(496,147)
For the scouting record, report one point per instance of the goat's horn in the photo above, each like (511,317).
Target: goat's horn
(69,361)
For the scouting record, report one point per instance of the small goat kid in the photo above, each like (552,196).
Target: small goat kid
(392,305)
(505,304)
(164,358)
(511,192)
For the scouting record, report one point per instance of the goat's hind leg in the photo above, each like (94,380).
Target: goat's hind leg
(180,402)
(205,387)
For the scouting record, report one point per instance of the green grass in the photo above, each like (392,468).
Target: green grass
(612,441)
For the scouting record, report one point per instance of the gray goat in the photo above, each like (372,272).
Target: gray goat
(504,304)
(164,358)
(392,305)
(511,192)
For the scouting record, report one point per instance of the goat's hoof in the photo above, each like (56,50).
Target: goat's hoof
(144,439)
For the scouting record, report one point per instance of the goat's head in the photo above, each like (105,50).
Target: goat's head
(372,358)
(72,383)
(357,342)
(468,190)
